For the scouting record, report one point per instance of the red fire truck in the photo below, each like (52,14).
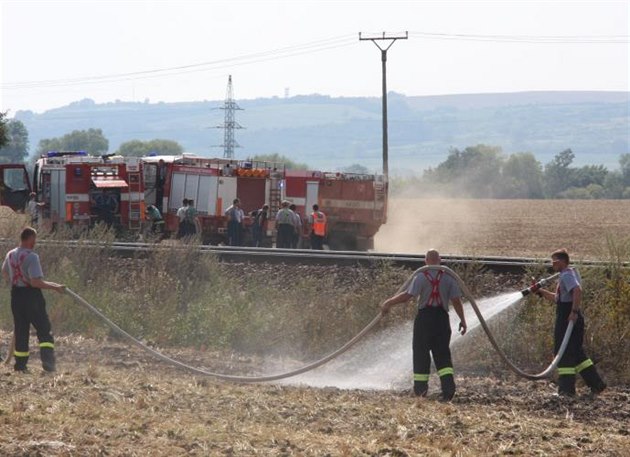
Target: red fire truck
(212,184)
(355,204)
(14,186)
(80,190)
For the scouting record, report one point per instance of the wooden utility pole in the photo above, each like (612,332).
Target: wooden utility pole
(389,41)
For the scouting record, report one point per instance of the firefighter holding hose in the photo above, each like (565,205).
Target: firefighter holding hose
(22,269)
(568,299)
(434,289)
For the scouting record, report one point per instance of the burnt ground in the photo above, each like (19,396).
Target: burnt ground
(107,399)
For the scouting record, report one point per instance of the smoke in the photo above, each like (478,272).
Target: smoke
(384,360)
(415,225)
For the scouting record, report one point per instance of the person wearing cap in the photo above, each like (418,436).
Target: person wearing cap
(32,208)
(285,221)
(21,268)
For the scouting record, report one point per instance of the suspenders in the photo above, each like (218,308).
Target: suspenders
(16,269)
(434,298)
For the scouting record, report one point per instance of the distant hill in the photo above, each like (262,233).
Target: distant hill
(329,133)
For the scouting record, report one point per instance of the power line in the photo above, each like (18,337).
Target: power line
(279,53)
(533,39)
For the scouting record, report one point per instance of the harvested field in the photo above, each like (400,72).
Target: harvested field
(503,227)
(109,400)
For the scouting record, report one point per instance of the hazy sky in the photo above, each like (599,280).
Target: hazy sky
(55,52)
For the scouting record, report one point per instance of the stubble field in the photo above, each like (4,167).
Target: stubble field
(503,227)
(109,399)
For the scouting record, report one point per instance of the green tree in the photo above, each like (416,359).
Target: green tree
(3,131)
(589,174)
(475,171)
(280,159)
(614,185)
(356,168)
(522,176)
(15,149)
(624,164)
(138,148)
(558,173)
(91,141)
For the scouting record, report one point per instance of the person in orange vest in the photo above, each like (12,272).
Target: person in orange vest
(319,228)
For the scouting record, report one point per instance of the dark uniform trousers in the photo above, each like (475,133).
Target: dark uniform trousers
(574,360)
(432,335)
(29,307)
(285,236)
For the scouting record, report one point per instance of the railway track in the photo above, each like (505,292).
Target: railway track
(497,264)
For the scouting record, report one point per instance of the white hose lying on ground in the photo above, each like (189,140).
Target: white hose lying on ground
(311,366)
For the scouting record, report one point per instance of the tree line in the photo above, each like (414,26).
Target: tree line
(480,171)
(484,171)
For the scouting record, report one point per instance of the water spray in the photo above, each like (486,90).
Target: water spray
(536,286)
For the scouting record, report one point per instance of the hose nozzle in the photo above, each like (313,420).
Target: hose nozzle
(535,287)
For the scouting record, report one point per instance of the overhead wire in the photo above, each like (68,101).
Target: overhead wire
(246,59)
(530,39)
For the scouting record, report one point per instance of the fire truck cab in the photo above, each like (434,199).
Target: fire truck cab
(212,184)
(81,190)
(14,186)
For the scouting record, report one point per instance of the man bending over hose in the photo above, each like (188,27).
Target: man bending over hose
(433,289)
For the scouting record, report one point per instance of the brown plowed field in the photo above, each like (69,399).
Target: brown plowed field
(504,227)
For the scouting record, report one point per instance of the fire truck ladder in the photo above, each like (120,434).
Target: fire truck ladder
(275,197)
(135,200)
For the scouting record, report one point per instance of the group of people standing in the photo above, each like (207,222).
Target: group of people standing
(289,226)
(189,224)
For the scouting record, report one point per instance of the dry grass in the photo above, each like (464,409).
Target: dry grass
(503,227)
(109,400)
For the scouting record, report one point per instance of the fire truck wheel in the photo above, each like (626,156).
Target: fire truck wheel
(342,241)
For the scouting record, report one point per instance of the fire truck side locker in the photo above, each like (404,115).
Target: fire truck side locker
(226,193)
(57,192)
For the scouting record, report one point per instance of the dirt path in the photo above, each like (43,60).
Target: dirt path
(108,400)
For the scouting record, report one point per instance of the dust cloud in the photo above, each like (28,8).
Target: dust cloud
(415,225)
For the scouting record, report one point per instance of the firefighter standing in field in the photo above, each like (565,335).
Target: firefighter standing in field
(568,299)
(286,226)
(319,227)
(22,269)
(434,289)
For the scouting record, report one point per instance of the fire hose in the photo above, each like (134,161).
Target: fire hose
(311,366)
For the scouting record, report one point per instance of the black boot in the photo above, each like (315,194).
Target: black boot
(48,359)
(420,388)
(20,363)
(566,385)
(593,380)
(448,387)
